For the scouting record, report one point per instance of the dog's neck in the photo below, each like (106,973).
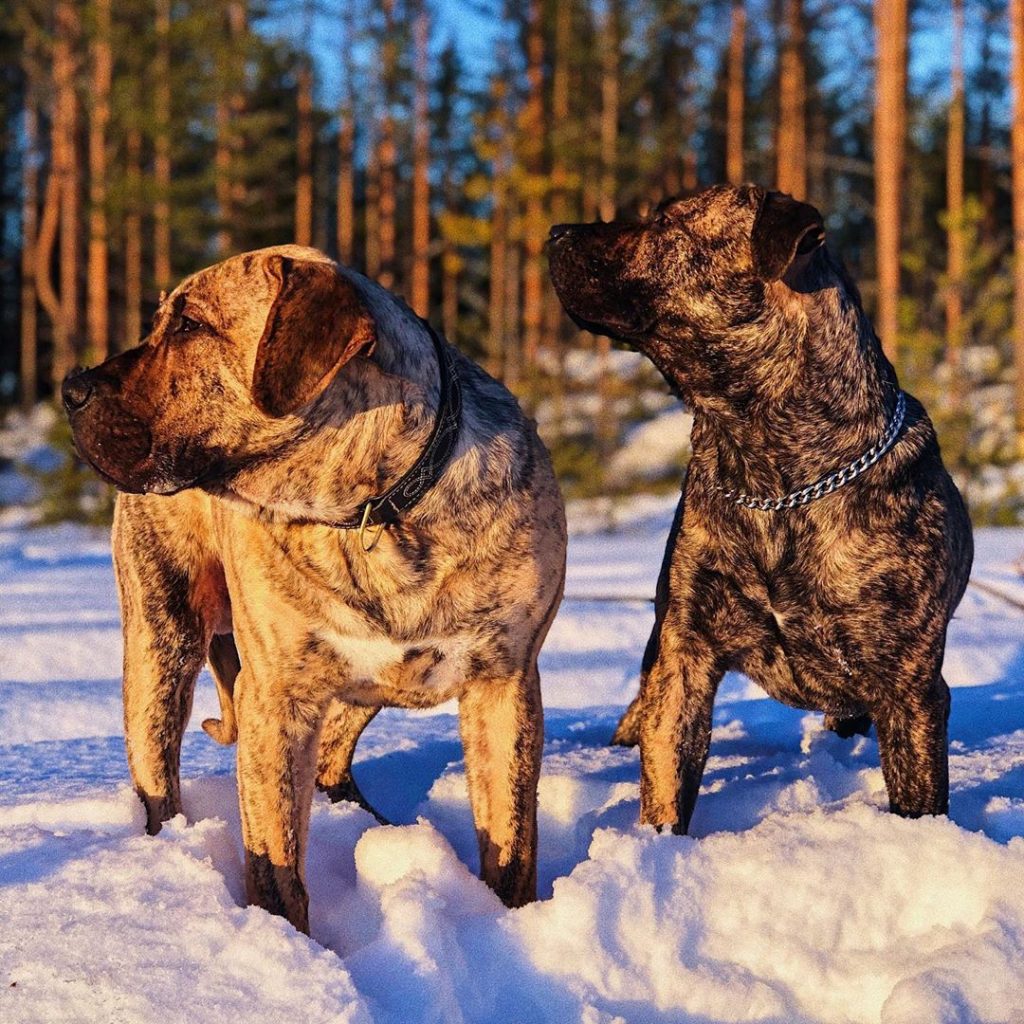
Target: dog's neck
(819,393)
(362,434)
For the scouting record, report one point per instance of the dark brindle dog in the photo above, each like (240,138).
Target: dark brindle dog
(834,596)
(307,470)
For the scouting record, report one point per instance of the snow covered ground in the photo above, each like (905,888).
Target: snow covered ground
(797,899)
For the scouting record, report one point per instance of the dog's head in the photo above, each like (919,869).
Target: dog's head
(687,284)
(238,355)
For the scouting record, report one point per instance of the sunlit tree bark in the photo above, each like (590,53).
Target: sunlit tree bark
(387,153)
(419,285)
(162,147)
(791,149)
(735,93)
(133,239)
(97,279)
(890,137)
(28,361)
(955,199)
(1017,148)
(534,222)
(304,135)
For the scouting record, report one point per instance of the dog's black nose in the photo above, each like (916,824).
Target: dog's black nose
(76,390)
(559,231)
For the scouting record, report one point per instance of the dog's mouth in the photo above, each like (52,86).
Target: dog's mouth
(585,262)
(119,447)
(625,331)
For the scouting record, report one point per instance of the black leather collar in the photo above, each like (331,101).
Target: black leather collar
(400,497)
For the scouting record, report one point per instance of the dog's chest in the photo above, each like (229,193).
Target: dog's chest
(376,668)
(812,631)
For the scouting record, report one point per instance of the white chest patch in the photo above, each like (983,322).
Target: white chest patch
(368,658)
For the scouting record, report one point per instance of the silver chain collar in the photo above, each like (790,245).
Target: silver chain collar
(835,480)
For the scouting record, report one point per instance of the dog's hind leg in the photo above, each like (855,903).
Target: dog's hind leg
(502,735)
(913,746)
(343,725)
(627,732)
(225,666)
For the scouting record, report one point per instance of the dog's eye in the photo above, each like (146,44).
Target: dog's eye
(186,325)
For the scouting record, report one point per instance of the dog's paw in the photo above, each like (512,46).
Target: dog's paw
(347,791)
(847,728)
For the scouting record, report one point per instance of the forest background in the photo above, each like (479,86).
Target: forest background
(432,143)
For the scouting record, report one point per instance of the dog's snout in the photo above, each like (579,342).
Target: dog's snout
(77,390)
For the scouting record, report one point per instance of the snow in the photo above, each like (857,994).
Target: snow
(797,898)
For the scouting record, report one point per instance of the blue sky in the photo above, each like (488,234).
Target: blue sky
(475,33)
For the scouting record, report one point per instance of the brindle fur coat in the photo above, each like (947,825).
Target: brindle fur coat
(840,605)
(275,395)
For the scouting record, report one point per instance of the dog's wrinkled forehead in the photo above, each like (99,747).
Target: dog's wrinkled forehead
(235,295)
(718,210)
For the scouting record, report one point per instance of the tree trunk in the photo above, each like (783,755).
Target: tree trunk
(735,94)
(450,292)
(511,345)
(610,43)
(889,136)
(222,176)
(65,169)
(304,153)
(387,156)
(498,262)
(162,148)
(346,188)
(1017,148)
(559,204)
(98,272)
(133,240)
(791,150)
(346,148)
(228,187)
(496,294)
(955,202)
(609,111)
(28,364)
(419,287)
(534,223)
(372,213)
(304,141)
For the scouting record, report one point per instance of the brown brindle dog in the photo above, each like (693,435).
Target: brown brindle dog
(275,397)
(820,546)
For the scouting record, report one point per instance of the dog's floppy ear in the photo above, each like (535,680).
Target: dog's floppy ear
(784,230)
(317,324)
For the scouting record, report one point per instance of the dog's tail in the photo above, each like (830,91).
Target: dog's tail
(224,663)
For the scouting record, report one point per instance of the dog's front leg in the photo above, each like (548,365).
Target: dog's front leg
(164,649)
(912,742)
(277,742)
(675,732)
(502,725)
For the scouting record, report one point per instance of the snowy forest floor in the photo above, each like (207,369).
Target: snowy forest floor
(797,898)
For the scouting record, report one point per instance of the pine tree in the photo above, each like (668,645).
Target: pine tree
(791,148)
(735,89)
(98,279)
(1017,140)
(890,137)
